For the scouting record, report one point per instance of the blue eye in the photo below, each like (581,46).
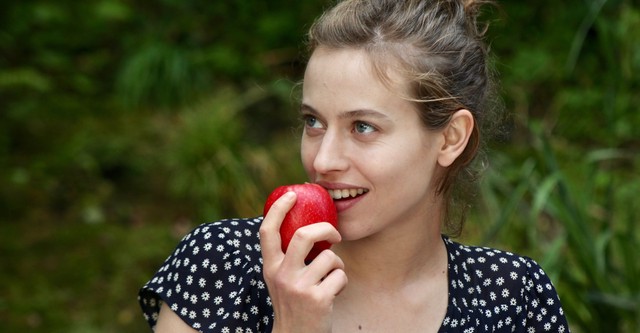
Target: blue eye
(312,122)
(363,128)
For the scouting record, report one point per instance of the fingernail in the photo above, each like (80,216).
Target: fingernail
(289,195)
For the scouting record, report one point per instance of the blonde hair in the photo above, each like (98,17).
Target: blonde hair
(439,47)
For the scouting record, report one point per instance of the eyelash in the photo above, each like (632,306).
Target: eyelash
(307,119)
(357,124)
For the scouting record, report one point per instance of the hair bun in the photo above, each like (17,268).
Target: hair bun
(473,9)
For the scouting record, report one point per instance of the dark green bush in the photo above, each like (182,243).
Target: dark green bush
(123,124)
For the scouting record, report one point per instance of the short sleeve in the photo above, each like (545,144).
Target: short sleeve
(213,280)
(543,311)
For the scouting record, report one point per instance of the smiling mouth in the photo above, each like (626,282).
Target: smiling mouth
(346,193)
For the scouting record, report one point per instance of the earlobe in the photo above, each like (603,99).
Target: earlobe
(456,136)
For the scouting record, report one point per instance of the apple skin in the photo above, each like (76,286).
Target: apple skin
(313,205)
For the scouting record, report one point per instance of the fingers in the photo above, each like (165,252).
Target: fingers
(335,281)
(328,269)
(315,285)
(325,277)
(298,291)
(270,227)
(305,238)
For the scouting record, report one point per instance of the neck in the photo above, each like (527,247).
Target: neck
(394,259)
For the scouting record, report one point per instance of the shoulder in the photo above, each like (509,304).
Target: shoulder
(232,229)
(213,278)
(504,284)
(487,261)
(238,235)
(230,245)
(493,269)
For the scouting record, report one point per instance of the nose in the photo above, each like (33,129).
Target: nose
(330,154)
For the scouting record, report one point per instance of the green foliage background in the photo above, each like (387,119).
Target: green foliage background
(124,124)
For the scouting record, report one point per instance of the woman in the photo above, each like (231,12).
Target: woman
(393,98)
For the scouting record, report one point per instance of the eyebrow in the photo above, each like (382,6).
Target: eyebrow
(358,113)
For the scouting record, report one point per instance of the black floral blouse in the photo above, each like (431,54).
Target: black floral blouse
(213,281)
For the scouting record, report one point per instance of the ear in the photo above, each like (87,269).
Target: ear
(456,136)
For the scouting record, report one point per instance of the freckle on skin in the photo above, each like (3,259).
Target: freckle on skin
(360,327)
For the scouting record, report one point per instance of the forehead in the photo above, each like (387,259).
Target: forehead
(354,68)
(340,81)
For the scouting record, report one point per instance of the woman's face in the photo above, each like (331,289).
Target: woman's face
(367,145)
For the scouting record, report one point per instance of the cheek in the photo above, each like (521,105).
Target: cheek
(307,155)
(411,165)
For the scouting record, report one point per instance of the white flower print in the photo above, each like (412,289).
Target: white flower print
(225,287)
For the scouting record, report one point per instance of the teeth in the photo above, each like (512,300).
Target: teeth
(346,193)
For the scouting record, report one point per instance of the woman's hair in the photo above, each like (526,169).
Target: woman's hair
(439,47)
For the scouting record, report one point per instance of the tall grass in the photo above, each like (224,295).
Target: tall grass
(219,160)
(576,213)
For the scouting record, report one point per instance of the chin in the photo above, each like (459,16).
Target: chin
(350,231)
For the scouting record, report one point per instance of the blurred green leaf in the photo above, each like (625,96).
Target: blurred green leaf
(97,186)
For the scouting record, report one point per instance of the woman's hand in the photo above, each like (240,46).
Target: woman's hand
(302,295)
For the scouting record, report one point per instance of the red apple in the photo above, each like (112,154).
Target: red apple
(313,205)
